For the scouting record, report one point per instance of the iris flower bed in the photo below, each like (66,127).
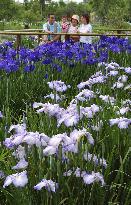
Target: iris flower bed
(65,123)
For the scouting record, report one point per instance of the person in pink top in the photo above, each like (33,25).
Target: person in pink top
(65,24)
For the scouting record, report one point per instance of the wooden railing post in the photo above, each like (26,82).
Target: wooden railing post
(18,41)
(39,38)
(118,31)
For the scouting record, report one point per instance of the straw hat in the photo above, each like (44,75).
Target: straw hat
(75,17)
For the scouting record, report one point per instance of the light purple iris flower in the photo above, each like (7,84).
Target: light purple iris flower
(22,136)
(19,129)
(55,97)
(85,95)
(90,157)
(93,177)
(98,77)
(128,70)
(59,86)
(19,153)
(77,134)
(87,177)
(22,164)
(48,184)
(1,115)
(2,175)
(122,122)
(107,99)
(18,179)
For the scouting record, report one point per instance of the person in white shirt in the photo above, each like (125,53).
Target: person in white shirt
(85,27)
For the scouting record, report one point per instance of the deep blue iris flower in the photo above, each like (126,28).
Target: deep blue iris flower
(29,68)
(11,66)
(71,65)
(129,49)
(57,67)
(23,53)
(8,43)
(2,64)
(82,54)
(69,54)
(46,76)
(58,54)
(115,48)
(47,61)
(33,56)
(11,53)
(32,38)
(7,69)
(1,56)
(91,61)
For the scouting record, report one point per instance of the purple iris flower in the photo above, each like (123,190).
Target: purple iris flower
(1,115)
(9,44)
(129,48)
(47,61)
(33,56)
(57,67)
(2,64)
(11,66)
(48,184)
(29,68)
(46,76)
(23,53)
(115,48)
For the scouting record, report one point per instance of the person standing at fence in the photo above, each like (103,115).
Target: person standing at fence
(74,28)
(51,27)
(85,28)
(64,26)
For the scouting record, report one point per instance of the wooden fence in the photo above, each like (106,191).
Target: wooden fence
(40,33)
(119,31)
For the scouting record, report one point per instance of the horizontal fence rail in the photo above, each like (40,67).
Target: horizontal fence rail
(25,30)
(102,29)
(39,33)
(116,29)
(73,34)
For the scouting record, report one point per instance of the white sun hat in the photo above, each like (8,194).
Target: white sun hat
(75,17)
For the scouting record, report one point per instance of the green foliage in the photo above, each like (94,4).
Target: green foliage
(108,12)
(112,12)
(115,15)
(7,9)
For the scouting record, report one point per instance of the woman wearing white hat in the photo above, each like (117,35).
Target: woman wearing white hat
(74,28)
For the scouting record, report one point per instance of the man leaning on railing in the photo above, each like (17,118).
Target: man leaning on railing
(51,27)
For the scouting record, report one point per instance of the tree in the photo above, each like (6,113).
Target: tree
(26,2)
(116,13)
(42,8)
(110,11)
(5,6)
(128,16)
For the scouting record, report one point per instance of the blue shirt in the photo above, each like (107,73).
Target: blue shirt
(51,27)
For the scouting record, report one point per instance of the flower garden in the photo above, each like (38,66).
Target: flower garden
(65,123)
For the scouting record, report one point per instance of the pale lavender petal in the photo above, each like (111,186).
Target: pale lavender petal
(22,164)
